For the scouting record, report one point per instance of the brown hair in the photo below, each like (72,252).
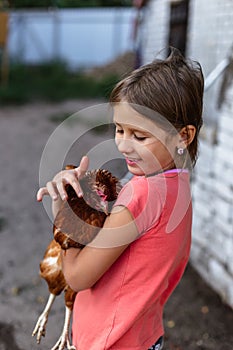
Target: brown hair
(172,87)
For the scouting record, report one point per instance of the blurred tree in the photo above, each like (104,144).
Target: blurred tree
(68,3)
(4,4)
(109,3)
(31,3)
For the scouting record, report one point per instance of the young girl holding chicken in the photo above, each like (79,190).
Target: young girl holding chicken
(127,273)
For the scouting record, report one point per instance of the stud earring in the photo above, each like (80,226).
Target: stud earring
(180,151)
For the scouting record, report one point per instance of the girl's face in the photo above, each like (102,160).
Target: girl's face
(146,147)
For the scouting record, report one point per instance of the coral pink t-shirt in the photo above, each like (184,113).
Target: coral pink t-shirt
(124,309)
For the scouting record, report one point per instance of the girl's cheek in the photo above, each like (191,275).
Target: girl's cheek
(117,141)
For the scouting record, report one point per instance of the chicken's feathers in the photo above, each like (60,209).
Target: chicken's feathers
(80,219)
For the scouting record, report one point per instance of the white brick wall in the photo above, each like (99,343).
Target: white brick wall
(156,28)
(210,32)
(212,248)
(210,37)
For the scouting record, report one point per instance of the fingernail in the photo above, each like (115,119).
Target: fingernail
(80,194)
(64,197)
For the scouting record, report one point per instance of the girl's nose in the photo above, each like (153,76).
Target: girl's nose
(124,145)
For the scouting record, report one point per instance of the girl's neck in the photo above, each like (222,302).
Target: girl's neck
(169,171)
(170,166)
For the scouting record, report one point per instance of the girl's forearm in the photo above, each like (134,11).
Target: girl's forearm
(82,268)
(69,262)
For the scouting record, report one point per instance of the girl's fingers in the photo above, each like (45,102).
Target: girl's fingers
(61,189)
(52,190)
(83,167)
(56,187)
(41,193)
(76,186)
(68,179)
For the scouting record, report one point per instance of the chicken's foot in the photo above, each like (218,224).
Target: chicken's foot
(64,338)
(40,327)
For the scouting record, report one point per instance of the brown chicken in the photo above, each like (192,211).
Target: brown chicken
(76,224)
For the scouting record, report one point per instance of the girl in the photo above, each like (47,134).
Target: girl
(127,273)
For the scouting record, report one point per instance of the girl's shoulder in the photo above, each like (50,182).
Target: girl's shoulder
(140,189)
(142,195)
(159,181)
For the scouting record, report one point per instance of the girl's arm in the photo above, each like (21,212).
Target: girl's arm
(82,269)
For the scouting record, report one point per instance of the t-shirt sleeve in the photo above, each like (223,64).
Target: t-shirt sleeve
(142,199)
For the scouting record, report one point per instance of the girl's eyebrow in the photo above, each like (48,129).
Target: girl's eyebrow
(145,132)
(117,124)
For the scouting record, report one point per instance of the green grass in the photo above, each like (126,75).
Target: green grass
(53,82)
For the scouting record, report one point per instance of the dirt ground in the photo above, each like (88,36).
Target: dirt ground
(195,317)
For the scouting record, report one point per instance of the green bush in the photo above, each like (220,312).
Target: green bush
(53,82)
(67,3)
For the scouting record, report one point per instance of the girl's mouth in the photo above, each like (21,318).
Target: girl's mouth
(131,161)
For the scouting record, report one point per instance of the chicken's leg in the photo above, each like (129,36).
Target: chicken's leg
(42,320)
(64,338)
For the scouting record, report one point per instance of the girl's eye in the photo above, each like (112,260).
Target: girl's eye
(139,138)
(119,131)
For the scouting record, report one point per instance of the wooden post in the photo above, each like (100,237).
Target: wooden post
(3,45)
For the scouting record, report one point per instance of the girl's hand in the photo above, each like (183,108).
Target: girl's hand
(56,188)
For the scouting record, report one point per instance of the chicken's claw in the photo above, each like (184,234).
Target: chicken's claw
(62,342)
(64,338)
(40,328)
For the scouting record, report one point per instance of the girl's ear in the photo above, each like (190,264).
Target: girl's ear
(186,135)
